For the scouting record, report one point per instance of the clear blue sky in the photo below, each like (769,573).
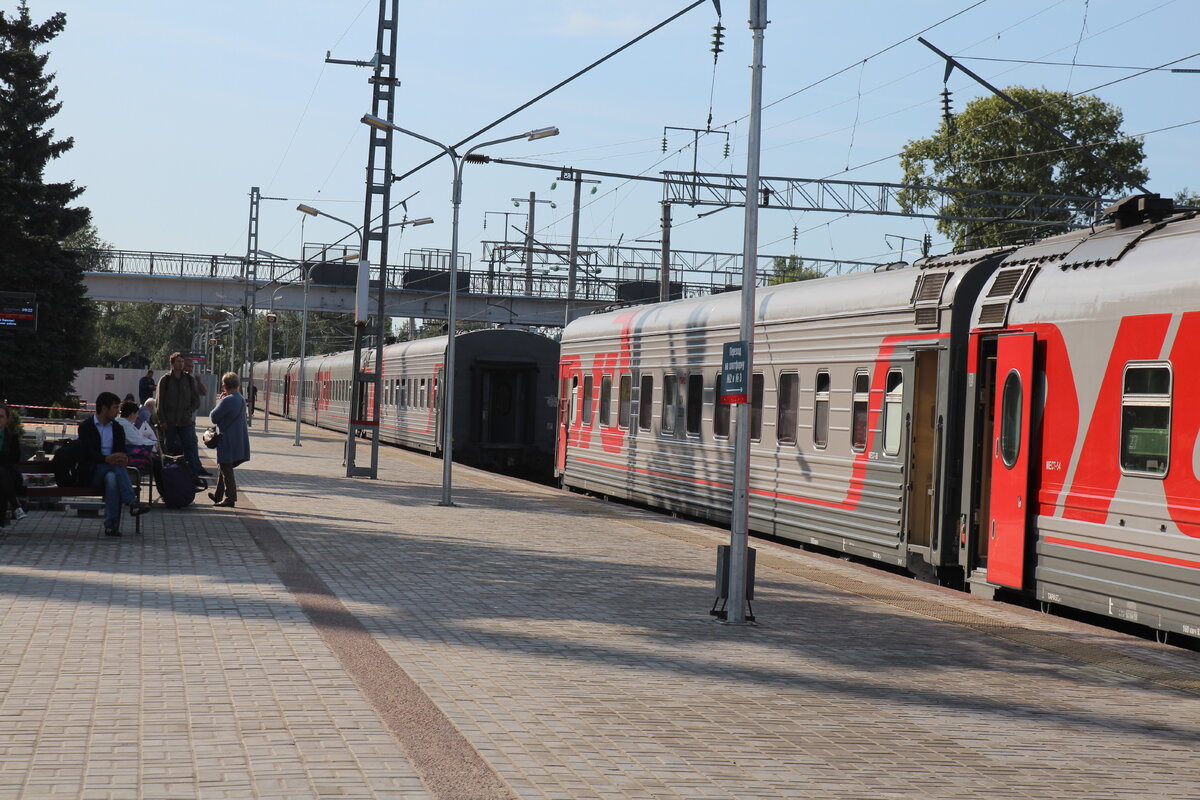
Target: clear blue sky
(177,109)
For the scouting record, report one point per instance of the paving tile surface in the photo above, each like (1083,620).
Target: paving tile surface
(566,640)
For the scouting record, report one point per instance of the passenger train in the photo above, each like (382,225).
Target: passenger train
(1016,419)
(504,405)
(1020,418)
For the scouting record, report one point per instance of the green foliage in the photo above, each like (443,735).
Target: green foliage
(991,146)
(791,269)
(1185,197)
(90,251)
(37,367)
(149,329)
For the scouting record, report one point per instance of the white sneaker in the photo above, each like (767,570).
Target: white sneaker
(19,514)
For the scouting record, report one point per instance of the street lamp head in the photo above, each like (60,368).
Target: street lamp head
(377,122)
(541,133)
(312,212)
(421,221)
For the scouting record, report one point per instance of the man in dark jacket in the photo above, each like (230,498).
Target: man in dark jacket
(102,455)
(178,400)
(146,387)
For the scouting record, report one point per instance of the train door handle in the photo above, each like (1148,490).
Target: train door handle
(993,530)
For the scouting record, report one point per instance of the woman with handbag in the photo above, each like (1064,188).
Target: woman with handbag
(233,439)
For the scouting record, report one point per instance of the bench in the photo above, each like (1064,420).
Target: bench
(55,492)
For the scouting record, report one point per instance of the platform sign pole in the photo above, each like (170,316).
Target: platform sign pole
(740,511)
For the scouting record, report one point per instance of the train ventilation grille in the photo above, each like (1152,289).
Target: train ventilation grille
(1006,281)
(927,317)
(930,287)
(993,313)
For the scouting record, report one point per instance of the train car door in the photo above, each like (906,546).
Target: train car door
(923,451)
(568,384)
(502,395)
(1008,507)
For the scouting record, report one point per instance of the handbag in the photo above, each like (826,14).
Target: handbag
(211,437)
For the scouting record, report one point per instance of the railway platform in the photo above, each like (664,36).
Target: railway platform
(340,638)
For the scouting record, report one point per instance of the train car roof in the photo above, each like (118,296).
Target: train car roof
(1113,272)
(858,293)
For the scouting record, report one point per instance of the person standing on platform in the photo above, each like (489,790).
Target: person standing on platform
(10,455)
(177,404)
(233,448)
(102,456)
(146,387)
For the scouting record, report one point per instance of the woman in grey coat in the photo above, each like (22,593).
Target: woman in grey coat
(234,446)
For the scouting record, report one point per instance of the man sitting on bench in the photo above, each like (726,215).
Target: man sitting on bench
(102,456)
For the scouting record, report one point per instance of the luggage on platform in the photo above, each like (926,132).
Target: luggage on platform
(177,485)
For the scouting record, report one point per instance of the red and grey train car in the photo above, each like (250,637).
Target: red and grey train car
(504,396)
(1019,418)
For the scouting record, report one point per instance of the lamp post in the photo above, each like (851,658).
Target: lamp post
(360,322)
(457,162)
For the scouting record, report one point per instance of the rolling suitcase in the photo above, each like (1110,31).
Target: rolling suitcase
(177,486)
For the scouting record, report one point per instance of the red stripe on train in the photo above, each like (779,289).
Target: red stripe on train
(1117,551)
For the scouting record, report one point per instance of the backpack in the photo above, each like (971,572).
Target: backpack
(66,464)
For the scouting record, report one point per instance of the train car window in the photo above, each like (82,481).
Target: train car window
(669,402)
(587,400)
(821,410)
(623,400)
(695,404)
(1010,419)
(646,403)
(403,392)
(859,411)
(893,412)
(573,400)
(720,412)
(787,407)
(433,385)
(606,400)
(421,398)
(1146,419)
(756,406)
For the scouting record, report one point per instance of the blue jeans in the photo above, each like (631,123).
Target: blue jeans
(182,439)
(118,491)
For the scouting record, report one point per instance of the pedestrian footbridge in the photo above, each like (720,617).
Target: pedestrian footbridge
(484,295)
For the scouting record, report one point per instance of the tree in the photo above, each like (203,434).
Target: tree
(1184,197)
(152,330)
(790,269)
(990,145)
(37,367)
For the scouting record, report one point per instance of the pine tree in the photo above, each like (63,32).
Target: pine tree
(37,367)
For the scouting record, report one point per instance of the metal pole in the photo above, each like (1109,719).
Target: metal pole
(574,255)
(447,387)
(307,273)
(529,245)
(270,355)
(739,524)
(664,277)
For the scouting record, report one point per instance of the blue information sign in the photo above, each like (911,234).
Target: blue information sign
(734,368)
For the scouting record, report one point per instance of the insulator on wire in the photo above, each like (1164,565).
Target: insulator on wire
(947,106)
(664,144)
(726,148)
(718,39)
